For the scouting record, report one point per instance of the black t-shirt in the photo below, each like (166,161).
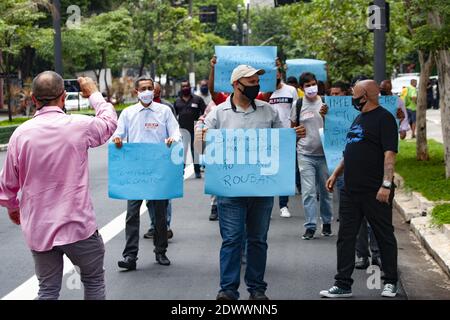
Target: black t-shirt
(189,111)
(370,136)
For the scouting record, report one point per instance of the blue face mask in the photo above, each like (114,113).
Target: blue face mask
(204,90)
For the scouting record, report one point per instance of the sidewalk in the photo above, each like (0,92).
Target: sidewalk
(416,210)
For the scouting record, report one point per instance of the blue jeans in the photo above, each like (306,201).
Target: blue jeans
(151,213)
(240,218)
(314,171)
(283,201)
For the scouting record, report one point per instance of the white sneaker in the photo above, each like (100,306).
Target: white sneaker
(285,213)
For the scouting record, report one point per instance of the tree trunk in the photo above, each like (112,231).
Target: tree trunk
(426,65)
(105,74)
(143,59)
(443,67)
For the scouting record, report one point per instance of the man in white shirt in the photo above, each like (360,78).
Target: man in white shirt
(146,122)
(282,100)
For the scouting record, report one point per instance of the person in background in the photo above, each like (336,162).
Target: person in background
(157,97)
(47,163)
(282,100)
(311,158)
(340,88)
(292,81)
(189,107)
(411,106)
(203,92)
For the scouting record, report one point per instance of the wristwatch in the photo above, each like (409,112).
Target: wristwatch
(386,184)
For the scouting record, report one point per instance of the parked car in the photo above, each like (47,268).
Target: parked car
(75,101)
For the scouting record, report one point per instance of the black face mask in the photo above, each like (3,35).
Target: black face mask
(357,104)
(383,92)
(251,92)
(278,82)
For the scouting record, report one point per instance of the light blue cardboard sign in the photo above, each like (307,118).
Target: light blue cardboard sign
(295,67)
(145,171)
(229,57)
(250,162)
(339,118)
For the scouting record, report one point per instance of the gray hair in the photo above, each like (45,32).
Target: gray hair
(47,86)
(142,78)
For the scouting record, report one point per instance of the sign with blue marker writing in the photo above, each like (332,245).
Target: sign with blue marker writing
(250,162)
(145,171)
(229,57)
(295,67)
(338,121)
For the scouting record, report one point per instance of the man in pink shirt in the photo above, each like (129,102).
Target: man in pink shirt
(44,184)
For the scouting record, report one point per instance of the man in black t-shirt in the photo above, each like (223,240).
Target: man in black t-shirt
(369,158)
(189,107)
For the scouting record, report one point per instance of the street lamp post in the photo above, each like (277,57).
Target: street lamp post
(242,27)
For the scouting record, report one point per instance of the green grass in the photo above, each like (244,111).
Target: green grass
(15,121)
(426,177)
(118,107)
(441,214)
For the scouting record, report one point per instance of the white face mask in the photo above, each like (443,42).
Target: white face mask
(146,97)
(312,91)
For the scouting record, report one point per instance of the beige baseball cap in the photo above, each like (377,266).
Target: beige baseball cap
(244,71)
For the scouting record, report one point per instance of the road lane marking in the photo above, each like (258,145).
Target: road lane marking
(29,289)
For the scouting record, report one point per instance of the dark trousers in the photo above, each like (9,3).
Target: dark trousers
(352,209)
(133,223)
(283,201)
(365,239)
(194,156)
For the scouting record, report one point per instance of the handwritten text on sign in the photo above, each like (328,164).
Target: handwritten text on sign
(339,119)
(229,57)
(145,171)
(251,162)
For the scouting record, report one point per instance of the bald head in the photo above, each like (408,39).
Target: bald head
(48,88)
(367,87)
(386,87)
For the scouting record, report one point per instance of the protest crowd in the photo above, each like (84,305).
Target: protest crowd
(47,192)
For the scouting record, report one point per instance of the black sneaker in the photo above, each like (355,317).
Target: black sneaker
(198,175)
(127,263)
(162,259)
(150,234)
(258,296)
(309,234)
(326,230)
(223,296)
(214,215)
(169,234)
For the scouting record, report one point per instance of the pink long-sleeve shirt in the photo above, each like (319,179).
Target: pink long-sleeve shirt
(46,173)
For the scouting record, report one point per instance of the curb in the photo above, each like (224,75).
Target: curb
(416,210)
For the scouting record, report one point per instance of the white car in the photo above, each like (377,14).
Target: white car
(75,100)
(401,82)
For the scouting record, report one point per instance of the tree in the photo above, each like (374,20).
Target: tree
(17,32)
(335,31)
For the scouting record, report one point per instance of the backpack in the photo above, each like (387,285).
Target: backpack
(298,107)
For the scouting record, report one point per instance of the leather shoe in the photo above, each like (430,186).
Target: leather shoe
(258,296)
(162,259)
(127,263)
(362,263)
(223,296)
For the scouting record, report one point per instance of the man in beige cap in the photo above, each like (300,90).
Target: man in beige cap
(243,219)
